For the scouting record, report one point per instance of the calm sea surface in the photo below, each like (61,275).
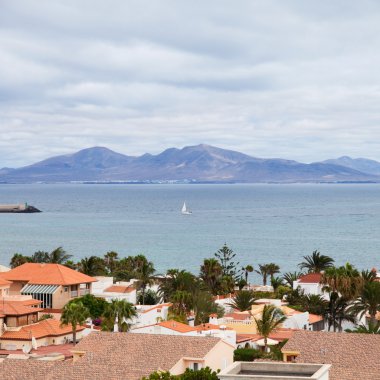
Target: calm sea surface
(261,223)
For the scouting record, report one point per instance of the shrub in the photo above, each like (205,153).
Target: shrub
(247,354)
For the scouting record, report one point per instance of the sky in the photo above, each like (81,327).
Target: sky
(291,79)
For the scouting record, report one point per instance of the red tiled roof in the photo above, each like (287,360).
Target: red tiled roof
(47,327)
(4,282)
(353,356)
(46,274)
(280,335)
(17,308)
(119,289)
(177,326)
(313,318)
(159,306)
(310,278)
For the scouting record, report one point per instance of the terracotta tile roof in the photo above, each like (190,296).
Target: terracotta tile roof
(113,356)
(310,278)
(314,318)
(47,327)
(177,326)
(17,308)
(119,289)
(46,274)
(159,306)
(280,335)
(129,352)
(4,282)
(13,369)
(353,356)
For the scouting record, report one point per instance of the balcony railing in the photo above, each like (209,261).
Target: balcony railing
(74,293)
(82,292)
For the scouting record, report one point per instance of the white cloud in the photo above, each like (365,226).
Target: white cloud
(288,79)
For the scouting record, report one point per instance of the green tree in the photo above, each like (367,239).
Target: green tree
(203,306)
(243,300)
(290,277)
(316,263)
(211,273)
(150,297)
(247,269)
(120,312)
(226,256)
(18,259)
(345,280)
(313,303)
(144,275)
(368,302)
(92,266)
(276,282)
(74,314)
(270,320)
(337,312)
(40,257)
(111,260)
(96,306)
(58,256)
(266,270)
(363,329)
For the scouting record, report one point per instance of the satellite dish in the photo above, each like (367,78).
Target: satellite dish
(26,349)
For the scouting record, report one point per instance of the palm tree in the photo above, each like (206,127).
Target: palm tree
(74,314)
(290,277)
(271,318)
(92,266)
(368,302)
(111,260)
(266,270)
(118,311)
(243,300)
(247,269)
(313,303)
(263,272)
(58,256)
(337,312)
(363,329)
(275,282)
(316,263)
(345,280)
(211,273)
(368,275)
(145,277)
(18,259)
(40,257)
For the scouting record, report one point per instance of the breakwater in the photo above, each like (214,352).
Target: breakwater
(18,208)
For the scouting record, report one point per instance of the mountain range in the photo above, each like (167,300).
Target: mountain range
(200,163)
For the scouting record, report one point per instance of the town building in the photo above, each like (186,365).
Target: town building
(53,284)
(352,356)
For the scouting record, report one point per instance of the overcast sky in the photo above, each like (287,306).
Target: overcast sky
(291,79)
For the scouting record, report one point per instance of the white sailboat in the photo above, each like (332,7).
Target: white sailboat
(185,210)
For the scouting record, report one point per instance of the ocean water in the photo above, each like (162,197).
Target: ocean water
(261,223)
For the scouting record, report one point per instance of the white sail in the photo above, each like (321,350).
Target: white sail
(185,210)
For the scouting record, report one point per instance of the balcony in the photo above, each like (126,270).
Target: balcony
(74,293)
(83,292)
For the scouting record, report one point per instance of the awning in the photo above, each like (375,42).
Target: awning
(39,289)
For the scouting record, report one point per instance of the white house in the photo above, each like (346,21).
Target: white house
(311,284)
(105,288)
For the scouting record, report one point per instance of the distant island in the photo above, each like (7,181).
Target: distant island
(192,164)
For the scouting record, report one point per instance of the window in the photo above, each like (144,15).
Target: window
(195,366)
(66,288)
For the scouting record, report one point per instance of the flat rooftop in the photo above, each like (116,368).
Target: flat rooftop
(275,371)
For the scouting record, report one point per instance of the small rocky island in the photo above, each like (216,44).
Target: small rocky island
(18,208)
